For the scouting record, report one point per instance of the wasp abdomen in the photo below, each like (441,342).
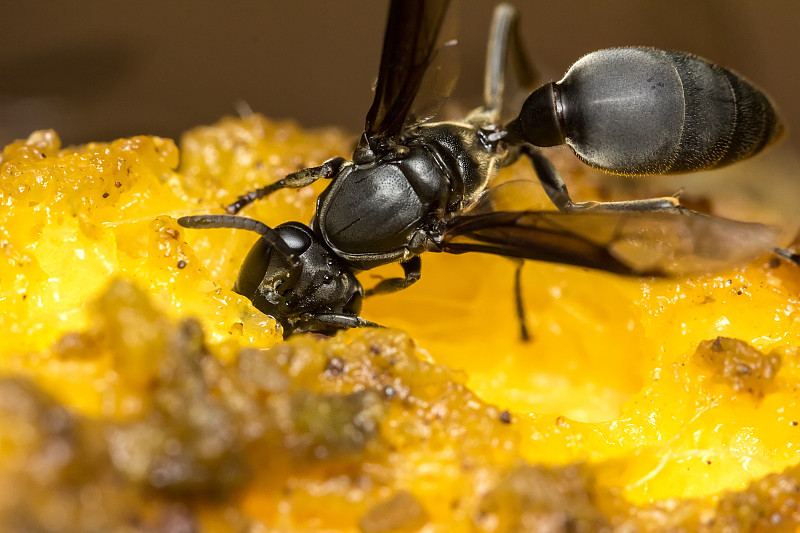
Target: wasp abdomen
(726,118)
(645,111)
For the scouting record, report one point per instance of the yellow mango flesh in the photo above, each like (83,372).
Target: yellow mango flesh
(618,377)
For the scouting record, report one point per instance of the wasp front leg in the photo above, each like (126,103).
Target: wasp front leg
(327,323)
(296,180)
(519,303)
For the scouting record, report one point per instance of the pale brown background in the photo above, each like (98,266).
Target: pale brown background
(96,70)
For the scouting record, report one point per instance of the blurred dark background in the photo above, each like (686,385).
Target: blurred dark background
(96,70)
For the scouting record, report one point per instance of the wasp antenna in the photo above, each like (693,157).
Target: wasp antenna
(237,222)
(224,221)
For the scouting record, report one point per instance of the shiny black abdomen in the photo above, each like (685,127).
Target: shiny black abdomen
(644,111)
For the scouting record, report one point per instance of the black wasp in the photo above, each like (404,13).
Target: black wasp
(413,186)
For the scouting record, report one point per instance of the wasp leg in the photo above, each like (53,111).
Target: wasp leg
(505,43)
(345,321)
(557,191)
(524,335)
(325,322)
(302,178)
(413,271)
(788,255)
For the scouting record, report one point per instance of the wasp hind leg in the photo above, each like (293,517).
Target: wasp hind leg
(519,302)
(296,180)
(556,190)
(505,45)
(788,255)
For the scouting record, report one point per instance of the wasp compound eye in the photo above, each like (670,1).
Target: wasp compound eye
(296,236)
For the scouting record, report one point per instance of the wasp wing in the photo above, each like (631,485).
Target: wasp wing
(441,75)
(657,244)
(410,43)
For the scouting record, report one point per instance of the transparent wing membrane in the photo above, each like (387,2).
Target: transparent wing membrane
(660,244)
